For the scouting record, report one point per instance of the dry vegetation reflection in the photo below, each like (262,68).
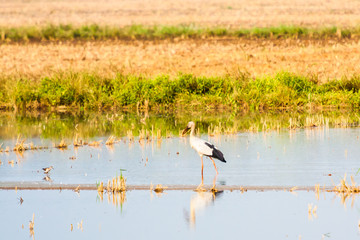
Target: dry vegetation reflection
(115,190)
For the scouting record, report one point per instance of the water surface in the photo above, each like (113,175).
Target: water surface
(302,157)
(179,215)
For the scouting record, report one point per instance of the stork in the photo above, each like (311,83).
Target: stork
(203,148)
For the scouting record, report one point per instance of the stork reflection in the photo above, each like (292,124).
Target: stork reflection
(199,202)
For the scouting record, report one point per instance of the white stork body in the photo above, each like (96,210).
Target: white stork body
(203,148)
(200,146)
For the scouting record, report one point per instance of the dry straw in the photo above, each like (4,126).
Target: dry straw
(62,144)
(345,188)
(111,140)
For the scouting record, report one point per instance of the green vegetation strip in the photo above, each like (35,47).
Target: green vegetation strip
(97,32)
(88,91)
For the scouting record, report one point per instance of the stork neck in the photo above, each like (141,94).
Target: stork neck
(192,130)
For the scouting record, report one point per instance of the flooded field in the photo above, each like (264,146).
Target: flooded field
(179,214)
(154,152)
(274,162)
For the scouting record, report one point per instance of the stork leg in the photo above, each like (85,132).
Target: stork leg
(214,165)
(213,189)
(201,186)
(202,169)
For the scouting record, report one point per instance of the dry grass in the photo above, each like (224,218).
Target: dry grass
(95,143)
(62,144)
(77,189)
(142,135)
(200,57)
(346,188)
(117,184)
(101,187)
(20,145)
(77,142)
(215,130)
(130,135)
(212,12)
(317,191)
(346,191)
(158,135)
(111,140)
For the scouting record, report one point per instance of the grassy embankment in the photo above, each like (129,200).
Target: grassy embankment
(97,32)
(90,91)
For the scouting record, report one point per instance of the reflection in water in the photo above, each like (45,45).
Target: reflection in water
(345,196)
(31,227)
(115,198)
(199,201)
(47,178)
(312,211)
(56,125)
(345,190)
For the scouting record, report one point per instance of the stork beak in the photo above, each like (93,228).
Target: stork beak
(185,131)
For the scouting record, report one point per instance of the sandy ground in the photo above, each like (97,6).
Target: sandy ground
(200,57)
(237,13)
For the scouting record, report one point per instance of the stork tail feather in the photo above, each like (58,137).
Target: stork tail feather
(218,154)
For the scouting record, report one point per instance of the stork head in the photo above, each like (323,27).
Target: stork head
(188,127)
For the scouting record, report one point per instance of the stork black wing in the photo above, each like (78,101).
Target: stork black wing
(216,153)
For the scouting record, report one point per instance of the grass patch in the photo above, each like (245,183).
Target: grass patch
(97,32)
(93,92)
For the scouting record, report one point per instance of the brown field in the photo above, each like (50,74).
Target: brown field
(200,57)
(327,59)
(236,13)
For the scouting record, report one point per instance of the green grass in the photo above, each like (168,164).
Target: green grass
(97,32)
(90,91)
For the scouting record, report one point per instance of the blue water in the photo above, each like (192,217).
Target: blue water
(178,215)
(290,158)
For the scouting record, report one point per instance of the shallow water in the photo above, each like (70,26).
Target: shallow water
(273,157)
(303,157)
(179,215)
